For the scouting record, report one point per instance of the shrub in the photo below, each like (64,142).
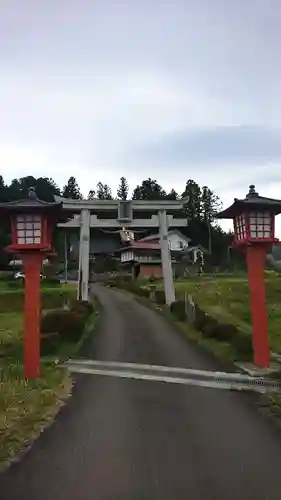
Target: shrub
(201,318)
(211,327)
(12,300)
(133,287)
(160,297)
(178,309)
(82,307)
(54,298)
(243,346)
(51,281)
(225,331)
(49,343)
(68,324)
(143,291)
(111,283)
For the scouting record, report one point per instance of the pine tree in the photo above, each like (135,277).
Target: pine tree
(123,189)
(193,193)
(149,189)
(72,190)
(91,194)
(172,195)
(103,191)
(210,204)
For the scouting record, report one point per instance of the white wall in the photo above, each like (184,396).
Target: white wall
(127,256)
(176,242)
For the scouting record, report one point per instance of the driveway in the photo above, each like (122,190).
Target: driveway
(122,439)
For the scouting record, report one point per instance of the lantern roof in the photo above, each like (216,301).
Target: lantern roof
(252,201)
(33,204)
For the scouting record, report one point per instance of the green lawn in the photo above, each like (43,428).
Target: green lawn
(26,406)
(227,299)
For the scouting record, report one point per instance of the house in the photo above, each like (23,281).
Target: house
(176,240)
(194,252)
(142,258)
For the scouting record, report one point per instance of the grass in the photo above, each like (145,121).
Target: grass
(227,299)
(26,407)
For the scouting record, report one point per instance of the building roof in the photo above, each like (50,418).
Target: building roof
(252,201)
(32,204)
(157,236)
(194,247)
(140,245)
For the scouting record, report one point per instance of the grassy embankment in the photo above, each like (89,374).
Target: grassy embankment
(227,299)
(27,406)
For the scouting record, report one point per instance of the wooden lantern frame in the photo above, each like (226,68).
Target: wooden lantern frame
(254,234)
(31,229)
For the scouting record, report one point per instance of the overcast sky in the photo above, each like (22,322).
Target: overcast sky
(169,89)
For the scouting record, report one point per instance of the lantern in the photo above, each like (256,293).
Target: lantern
(254,226)
(31,226)
(31,223)
(253,218)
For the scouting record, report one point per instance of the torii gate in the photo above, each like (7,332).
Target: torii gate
(131,214)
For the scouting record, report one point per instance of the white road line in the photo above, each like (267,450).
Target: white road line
(172,380)
(158,368)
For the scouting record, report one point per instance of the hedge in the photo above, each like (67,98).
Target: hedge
(51,298)
(63,325)
(212,328)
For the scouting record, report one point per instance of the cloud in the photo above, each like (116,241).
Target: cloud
(168,90)
(220,145)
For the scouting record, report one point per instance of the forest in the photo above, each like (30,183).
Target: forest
(203,203)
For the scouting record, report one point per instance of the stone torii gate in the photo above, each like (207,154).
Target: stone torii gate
(117,214)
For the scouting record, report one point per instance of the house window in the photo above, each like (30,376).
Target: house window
(180,245)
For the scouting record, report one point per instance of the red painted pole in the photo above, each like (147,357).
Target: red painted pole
(255,261)
(32,267)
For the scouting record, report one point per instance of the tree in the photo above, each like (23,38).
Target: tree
(193,193)
(45,188)
(3,189)
(91,194)
(210,204)
(172,195)
(123,189)
(103,191)
(149,189)
(72,190)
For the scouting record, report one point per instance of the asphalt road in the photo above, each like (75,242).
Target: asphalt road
(120,439)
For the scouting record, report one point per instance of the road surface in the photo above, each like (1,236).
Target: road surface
(120,439)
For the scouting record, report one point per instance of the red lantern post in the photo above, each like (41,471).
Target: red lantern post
(254,225)
(31,223)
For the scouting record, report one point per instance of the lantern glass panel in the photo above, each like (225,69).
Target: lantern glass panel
(241,231)
(260,224)
(28,229)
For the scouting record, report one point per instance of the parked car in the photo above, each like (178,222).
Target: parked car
(20,275)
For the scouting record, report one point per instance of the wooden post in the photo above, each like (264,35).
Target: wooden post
(255,260)
(32,267)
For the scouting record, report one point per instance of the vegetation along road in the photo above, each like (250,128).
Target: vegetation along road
(125,439)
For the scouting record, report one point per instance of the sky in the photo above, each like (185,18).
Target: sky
(171,90)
